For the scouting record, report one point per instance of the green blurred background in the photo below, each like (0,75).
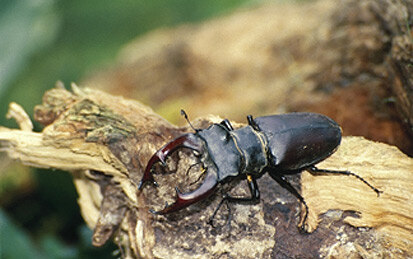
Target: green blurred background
(42,41)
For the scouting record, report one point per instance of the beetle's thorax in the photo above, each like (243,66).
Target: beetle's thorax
(253,147)
(235,152)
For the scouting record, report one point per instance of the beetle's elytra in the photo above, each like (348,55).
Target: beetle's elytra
(277,144)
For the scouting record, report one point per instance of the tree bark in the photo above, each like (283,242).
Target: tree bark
(105,141)
(351,61)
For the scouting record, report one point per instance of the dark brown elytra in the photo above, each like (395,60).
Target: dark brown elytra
(279,145)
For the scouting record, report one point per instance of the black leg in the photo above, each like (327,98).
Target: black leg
(192,166)
(255,196)
(281,180)
(313,169)
(252,123)
(200,176)
(227,125)
(255,193)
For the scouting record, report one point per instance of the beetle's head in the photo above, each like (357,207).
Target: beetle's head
(190,141)
(196,144)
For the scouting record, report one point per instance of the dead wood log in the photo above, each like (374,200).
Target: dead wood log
(344,60)
(105,141)
(350,60)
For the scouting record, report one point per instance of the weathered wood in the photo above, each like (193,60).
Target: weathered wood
(390,214)
(348,59)
(104,141)
(344,60)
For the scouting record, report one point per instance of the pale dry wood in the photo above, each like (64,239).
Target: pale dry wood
(388,216)
(350,60)
(90,198)
(254,57)
(383,166)
(62,145)
(17,112)
(281,57)
(33,150)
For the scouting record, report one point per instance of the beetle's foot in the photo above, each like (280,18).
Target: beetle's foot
(378,192)
(228,223)
(302,225)
(303,228)
(313,169)
(211,222)
(229,218)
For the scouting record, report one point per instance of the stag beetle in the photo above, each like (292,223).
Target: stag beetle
(278,144)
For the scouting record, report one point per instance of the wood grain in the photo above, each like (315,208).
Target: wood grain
(106,162)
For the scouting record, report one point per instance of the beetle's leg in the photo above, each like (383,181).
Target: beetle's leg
(252,123)
(204,170)
(313,169)
(281,180)
(255,196)
(185,141)
(227,125)
(255,192)
(200,176)
(192,166)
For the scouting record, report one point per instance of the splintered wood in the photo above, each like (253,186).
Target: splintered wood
(347,61)
(105,141)
(383,166)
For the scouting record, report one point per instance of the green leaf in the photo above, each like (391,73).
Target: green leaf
(14,242)
(25,26)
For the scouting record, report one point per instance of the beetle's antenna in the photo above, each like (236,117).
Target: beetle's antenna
(183,113)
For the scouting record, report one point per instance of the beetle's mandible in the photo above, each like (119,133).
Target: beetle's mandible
(278,144)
